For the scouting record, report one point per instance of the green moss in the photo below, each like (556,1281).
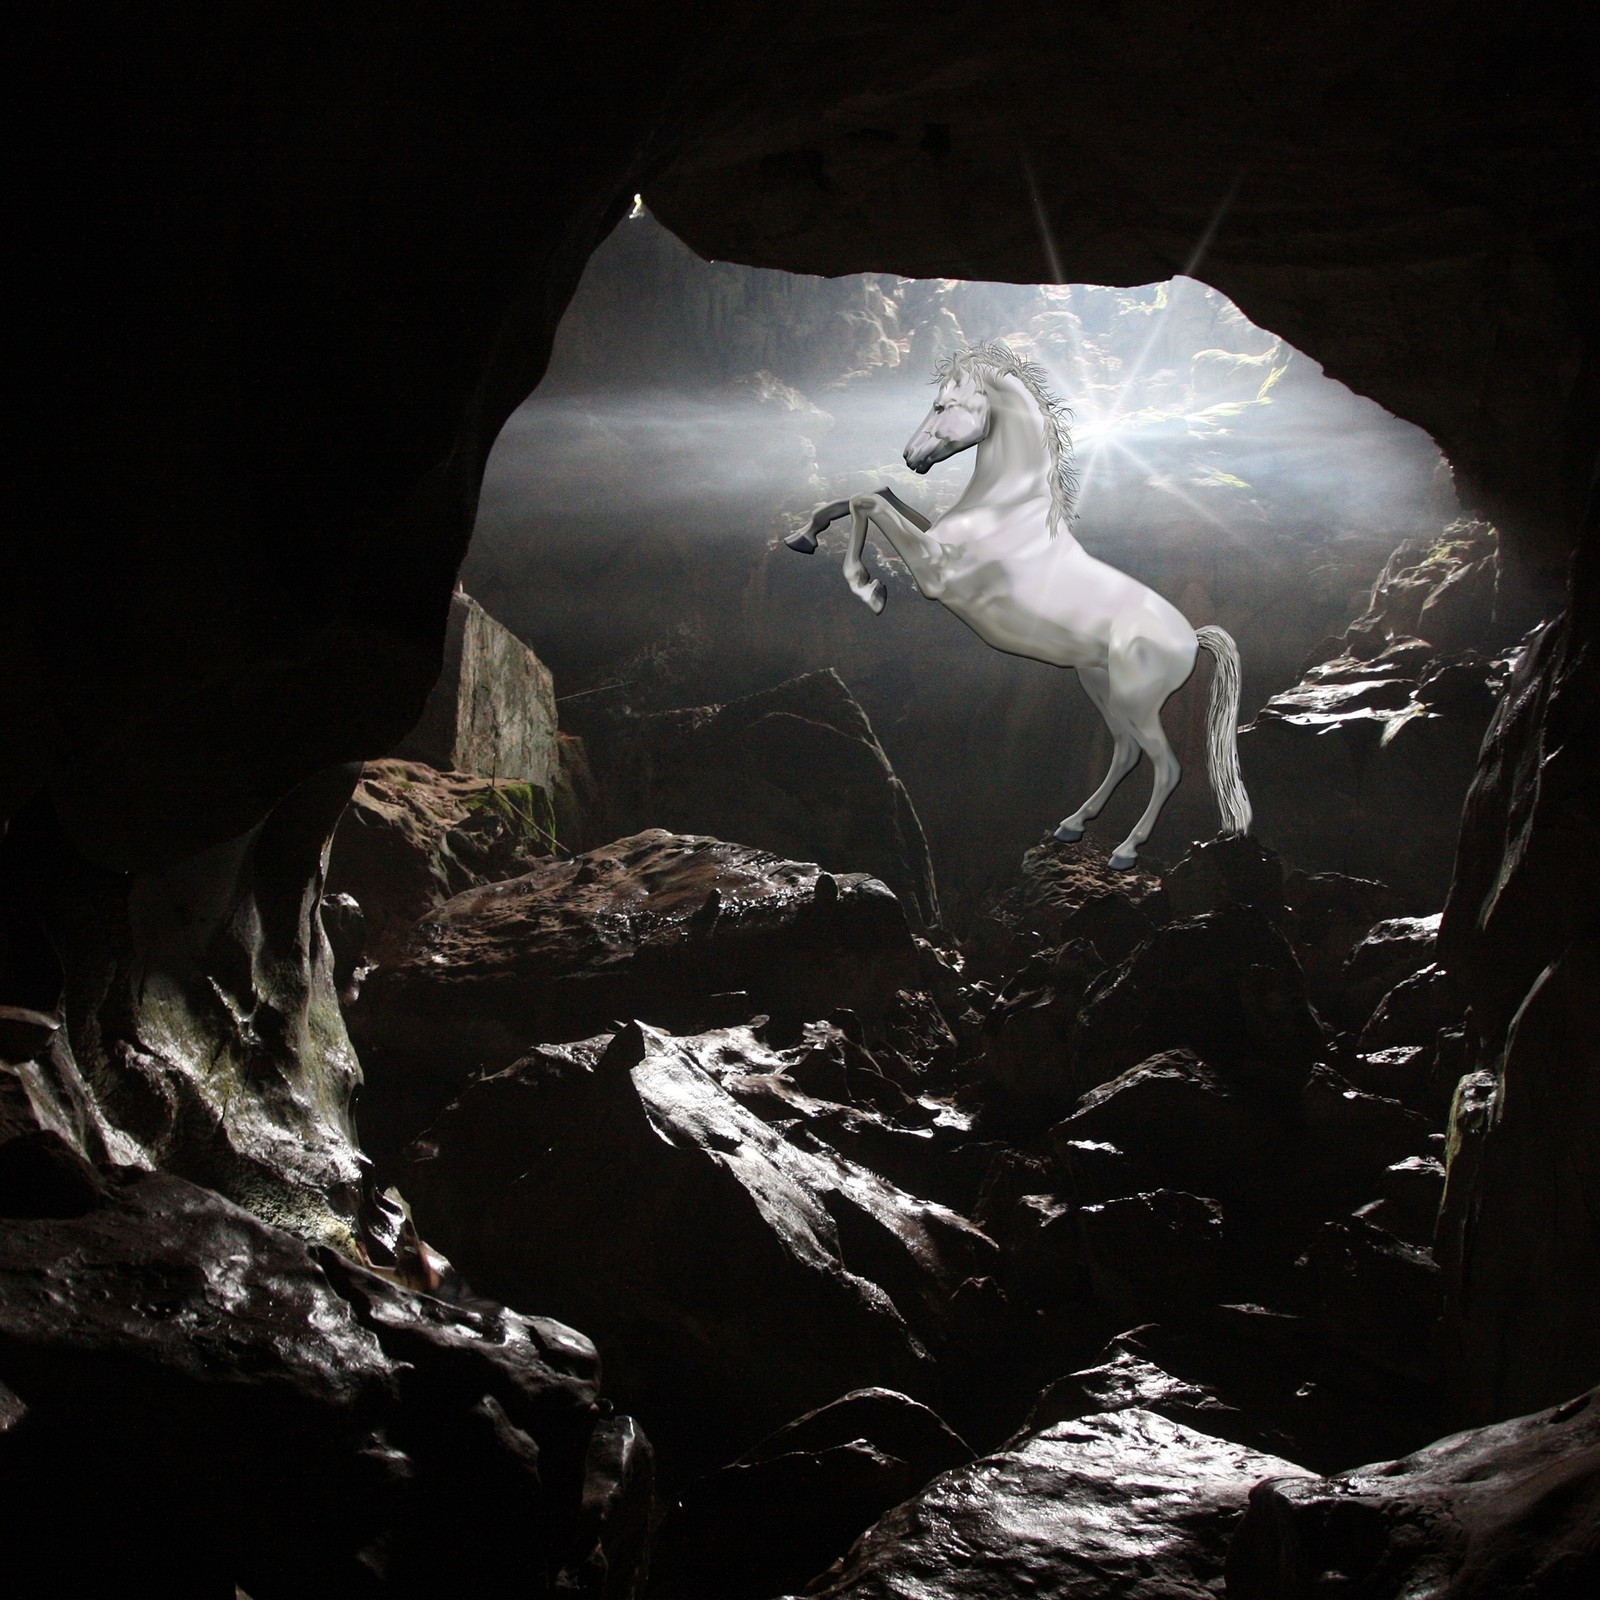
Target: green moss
(526,806)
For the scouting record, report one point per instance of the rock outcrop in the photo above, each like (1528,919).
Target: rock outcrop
(197,1400)
(493,710)
(679,931)
(736,1272)
(795,770)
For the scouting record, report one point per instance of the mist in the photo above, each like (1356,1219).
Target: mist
(632,514)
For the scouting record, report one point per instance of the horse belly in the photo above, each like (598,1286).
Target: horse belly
(1064,637)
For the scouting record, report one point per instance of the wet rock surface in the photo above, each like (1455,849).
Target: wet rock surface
(1510,1509)
(244,1409)
(1120,1503)
(679,931)
(737,1274)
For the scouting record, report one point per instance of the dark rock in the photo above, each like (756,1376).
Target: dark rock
(1375,1297)
(1389,953)
(1125,1380)
(1330,914)
(1152,1254)
(574,947)
(786,1509)
(1175,1115)
(1121,1503)
(1408,1205)
(241,1406)
(1518,1233)
(1027,1033)
(732,1277)
(1231,870)
(795,770)
(1415,1011)
(1362,1131)
(1058,883)
(1500,1511)
(1226,986)
(1421,1077)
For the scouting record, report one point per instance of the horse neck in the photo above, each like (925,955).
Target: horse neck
(1012,464)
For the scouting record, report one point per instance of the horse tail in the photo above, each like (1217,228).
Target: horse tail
(1222,739)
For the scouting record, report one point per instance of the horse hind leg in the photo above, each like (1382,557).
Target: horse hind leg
(1124,755)
(1139,690)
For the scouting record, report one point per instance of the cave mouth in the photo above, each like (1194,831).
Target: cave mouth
(632,514)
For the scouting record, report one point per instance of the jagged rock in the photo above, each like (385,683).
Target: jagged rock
(786,1509)
(1375,1297)
(1389,953)
(1415,1011)
(1422,1077)
(493,710)
(1391,729)
(413,836)
(200,1030)
(1226,986)
(243,1409)
(1329,915)
(1124,1379)
(795,770)
(1175,1115)
(1412,1191)
(1058,884)
(1230,870)
(1122,1503)
(1507,1510)
(732,1277)
(1150,1254)
(1027,1031)
(1362,1131)
(678,931)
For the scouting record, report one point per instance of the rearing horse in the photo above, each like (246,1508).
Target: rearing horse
(1002,559)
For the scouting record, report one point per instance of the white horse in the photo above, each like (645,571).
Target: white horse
(1002,559)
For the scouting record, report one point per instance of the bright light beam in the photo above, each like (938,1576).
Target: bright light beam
(1046,238)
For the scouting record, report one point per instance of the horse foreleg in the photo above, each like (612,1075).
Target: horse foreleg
(1124,755)
(862,583)
(908,534)
(804,542)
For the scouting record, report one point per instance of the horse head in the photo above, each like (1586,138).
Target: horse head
(958,421)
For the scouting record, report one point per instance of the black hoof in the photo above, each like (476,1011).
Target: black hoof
(803,543)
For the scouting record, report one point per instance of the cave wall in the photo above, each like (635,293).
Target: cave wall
(285,272)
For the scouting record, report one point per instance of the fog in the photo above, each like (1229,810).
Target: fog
(631,521)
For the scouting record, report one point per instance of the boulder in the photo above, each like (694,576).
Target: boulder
(412,836)
(1330,913)
(198,1393)
(1499,1511)
(674,930)
(1229,870)
(1027,1030)
(1361,1133)
(732,1277)
(493,710)
(1411,1192)
(795,770)
(1225,985)
(1415,1011)
(1390,952)
(1149,1255)
(789,1507)
(1119,1504)
(1177,1116)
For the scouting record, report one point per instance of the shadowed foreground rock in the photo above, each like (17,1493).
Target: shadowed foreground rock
(208,1401)
(1498,1513)
(785,1510)
(734,1278)
(1120,1504)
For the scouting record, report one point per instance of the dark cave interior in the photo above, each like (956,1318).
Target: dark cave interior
(641,1132)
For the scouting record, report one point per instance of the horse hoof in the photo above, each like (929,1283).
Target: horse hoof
(876,597)
(802,544)
(1122,863)
(1068,835)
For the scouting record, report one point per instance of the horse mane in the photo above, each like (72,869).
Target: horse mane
(996,356)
